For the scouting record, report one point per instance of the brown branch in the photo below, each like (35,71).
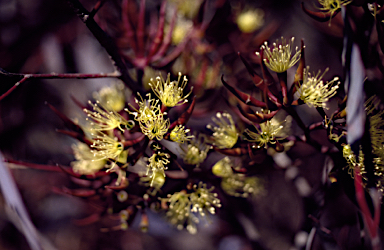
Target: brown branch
(25,77)
(106,41)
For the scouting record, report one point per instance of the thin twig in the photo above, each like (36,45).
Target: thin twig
(25,77)
(106,41)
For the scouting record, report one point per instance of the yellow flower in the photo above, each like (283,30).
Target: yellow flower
(179,211)
(150,118)
(314,92)
(351,160)
(180,31)
(158,161)
(170,93)
(179,134)
(280,58)
(223,168)
(103,120)
(195,151)
(236,184)
(183,207)
(106,147)
(155,179)
(239,185)
(376,129)
(157,126)
(112,97)
(250,20)
(85,160)
(203,200)
(267,133)
(225,135)
(148,108)
(330,6)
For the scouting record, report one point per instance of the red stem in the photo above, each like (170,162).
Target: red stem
(141,29)
(160,32)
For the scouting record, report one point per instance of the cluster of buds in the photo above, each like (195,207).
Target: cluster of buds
(109,145)
(236,183)
(133,150)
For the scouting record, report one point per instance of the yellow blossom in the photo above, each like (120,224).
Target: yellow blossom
(169,92)
(179,211)
(148,108)
(112,97)
(223,168)
(236,184)
(279,59)
(203,200)
(103,119)
(195,152)
(155,179)
(183,207)
(157,126)
(85,160)
(250,20)
(158,161)
(180,31)
(179,134)
(239,185)
(267,133)
(314,92)
(376,128)
(106,147)
(352,161)
(331,6)
(225,134)
(150,118)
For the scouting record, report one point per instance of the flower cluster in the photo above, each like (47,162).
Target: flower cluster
(236,184)
(170,92)
(111,97)
(155,169)
(195,152)
(148,136)
(179,134)
(225,134)
(314,92)
(86,162)
(331,6)
(104,120)
(352,161)
(268,133)
(280,58)
(184,207)
(151,118)
(106,147)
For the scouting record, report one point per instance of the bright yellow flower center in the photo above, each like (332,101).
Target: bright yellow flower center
(170,92)
(280,58)
(314,92)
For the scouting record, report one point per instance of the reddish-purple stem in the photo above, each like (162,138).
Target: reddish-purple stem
(141,30)
(160,32)
(371,223)
(167,40)
(129,32)
(115,74)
